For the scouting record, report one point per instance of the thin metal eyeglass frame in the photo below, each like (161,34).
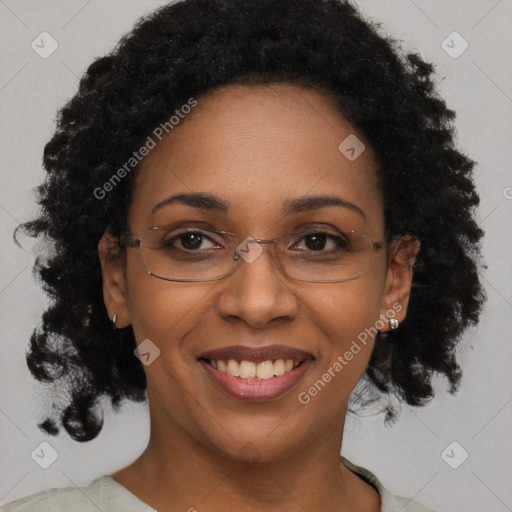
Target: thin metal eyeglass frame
(128,240)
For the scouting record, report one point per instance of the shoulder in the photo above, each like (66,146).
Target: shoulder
(389,502)
(103,493)
(38,501)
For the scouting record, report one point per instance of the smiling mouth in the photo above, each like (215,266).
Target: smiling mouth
(256,374)
(248,386)
(263,370)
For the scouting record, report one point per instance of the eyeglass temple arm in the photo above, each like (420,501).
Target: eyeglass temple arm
(126,240)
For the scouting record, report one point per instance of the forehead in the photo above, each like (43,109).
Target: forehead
(258,147)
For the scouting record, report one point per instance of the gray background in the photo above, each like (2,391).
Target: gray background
(407,458)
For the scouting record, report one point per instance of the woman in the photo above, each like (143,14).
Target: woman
(255,205)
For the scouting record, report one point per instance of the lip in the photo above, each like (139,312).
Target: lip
(256,390)
(256,354)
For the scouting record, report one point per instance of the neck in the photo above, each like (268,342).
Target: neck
(176,472)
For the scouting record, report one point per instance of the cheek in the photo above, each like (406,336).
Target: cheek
(344,313)
(164,311)
(159,310)
(347,313)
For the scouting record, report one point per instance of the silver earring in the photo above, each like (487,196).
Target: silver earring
(393,323)
(114,319)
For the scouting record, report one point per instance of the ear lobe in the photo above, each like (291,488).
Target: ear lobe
(114,284)
(402,255)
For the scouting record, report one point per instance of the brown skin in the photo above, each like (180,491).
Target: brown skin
(253,147)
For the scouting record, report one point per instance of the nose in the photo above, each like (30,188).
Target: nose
(257,293)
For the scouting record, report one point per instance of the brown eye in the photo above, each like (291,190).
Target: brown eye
(322,242)
(190,241)
(316,241)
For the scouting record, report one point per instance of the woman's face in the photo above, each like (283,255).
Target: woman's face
(256,149)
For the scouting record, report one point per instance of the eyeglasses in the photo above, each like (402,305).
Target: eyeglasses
(190,254)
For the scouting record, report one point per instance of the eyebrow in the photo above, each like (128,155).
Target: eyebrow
(210,203)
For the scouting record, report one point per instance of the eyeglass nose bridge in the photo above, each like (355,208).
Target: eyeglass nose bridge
(250,240)
(262,241)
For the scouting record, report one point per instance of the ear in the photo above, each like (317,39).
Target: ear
(402,253)
(114,281)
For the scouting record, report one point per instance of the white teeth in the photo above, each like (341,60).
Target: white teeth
(250,370)
(233,368)
(279,367)
(247,370)
(265,370)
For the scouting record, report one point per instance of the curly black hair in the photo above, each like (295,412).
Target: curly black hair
(185,49)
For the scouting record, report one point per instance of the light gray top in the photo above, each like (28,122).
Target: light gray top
(107,495)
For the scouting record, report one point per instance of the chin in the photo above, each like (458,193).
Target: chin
(256,445)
